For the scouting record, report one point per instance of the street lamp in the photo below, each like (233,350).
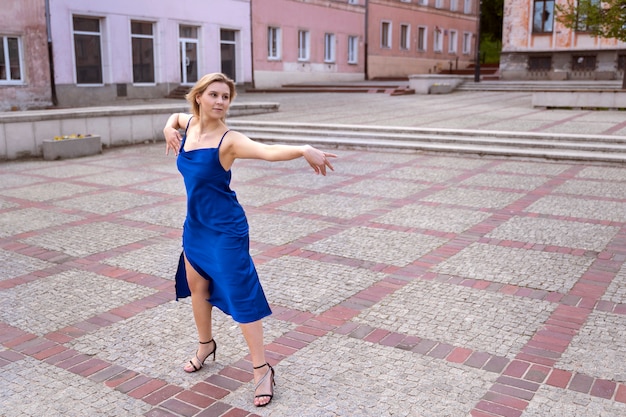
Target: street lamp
(477,65)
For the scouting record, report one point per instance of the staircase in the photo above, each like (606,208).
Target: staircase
(597,148)
(179,92)
(391,88)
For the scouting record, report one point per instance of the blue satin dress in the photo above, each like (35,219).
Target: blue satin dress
(215,238)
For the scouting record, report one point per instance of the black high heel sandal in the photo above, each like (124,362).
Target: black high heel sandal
(271,395)
(201,362)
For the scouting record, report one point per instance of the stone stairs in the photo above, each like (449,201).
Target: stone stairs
(499,85)
(598,148)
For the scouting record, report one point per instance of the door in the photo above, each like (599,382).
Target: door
(228,50)
(188,36)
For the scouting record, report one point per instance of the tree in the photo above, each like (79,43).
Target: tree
(604,19)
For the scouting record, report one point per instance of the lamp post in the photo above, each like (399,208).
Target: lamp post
(477,65)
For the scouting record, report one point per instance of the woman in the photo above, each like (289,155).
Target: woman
(215,267)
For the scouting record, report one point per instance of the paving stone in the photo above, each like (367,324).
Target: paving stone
(424,174)
(525,268)
(563,233)
(15,180)
(277,229)
(333,206)
(580,208)
(257,196)
(64,299)
(166,214)
(444,219)
(593,188)
(90,238)
(616,292)
(26,383)
(28,219)
(392,247)
(160,259)
(108,202)
(474,198)
(495,323)
(70,170)
(46,191)
(383,188)
(173,186)
(602,173)
(554,402)
(15,265)
(514,182)
(531,168)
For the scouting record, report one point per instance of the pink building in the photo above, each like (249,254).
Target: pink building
(536,46)
(307,41)
(116,49)
(24,63)
(420,36)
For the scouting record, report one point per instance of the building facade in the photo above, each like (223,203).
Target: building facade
(536,46)
(303,41)
(24,63)
(116,49)
(420,36)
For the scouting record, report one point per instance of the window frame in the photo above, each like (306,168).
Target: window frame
(6,58)
(467,43)
(99,36)
(386,34)
(353,49)
(453,42)
(151,37)
(438,40)
(330,52)
(467,6)
(405,37)
(304,45)
(422,38)
(543,11)
(274,43)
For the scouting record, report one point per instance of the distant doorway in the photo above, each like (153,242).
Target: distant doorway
(188,54)
(228,50)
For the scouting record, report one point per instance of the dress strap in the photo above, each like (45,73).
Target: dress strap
(182,142)
(221,140)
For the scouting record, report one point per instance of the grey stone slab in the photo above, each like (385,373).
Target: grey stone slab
(10,180)
(474,198)
(159,342)
(616,292)
(384,188)
(525,268)
(563,233)
(33,389)
(467,162)
(46,191)
(307,285)
(598,349)
(489,322)
(603,173)
(338,376)
(550,401)
(531,168)
(499,180)
(15,265)
(443,219)
(160,259)
(67,169)
(356,166)
(64,299)
(276,229)
(378,245)
(258,195)
(169,215)
(334,205)
(423,174)
(171,185)
(580,208)
(4,204)
(305,180)
(121,178)
(593,188)
(108,202)
(89,238)
(384,157)
(29,219)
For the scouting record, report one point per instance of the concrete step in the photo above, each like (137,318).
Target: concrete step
(601,148)
(501,85)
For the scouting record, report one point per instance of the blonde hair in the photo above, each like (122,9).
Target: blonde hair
(202,84)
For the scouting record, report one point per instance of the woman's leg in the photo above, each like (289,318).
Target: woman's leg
(253,333)
(202,310)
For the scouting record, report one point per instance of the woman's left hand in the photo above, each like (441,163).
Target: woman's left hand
(318,159)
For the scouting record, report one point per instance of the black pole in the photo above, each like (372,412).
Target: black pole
(365,42)
(53,90)
(477,63)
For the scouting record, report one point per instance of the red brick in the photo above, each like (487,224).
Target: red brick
(506,400)
(459,355)
(147,389)
(498,409)
(516,368)
(581,383)
(193,398)
(162,394)
(620,395)
(603,388)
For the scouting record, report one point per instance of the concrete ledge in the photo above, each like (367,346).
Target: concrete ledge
(598,99)
(71,148)
(22,133)
(422,83)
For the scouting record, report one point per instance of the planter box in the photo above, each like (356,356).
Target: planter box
(71,148)
(440,89)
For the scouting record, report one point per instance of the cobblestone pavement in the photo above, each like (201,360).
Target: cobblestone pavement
(403,284)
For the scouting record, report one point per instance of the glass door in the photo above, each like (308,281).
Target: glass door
(228,48)
(188,54)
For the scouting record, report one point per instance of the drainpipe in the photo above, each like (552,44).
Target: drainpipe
(366,52)
(252,43)
(477,66)
(53,90)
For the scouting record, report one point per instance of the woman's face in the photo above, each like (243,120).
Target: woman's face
(215,100)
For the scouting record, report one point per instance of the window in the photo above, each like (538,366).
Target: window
(273,43)
(421,38)
(582,24)
(438,4)
(329,47)
(539,63)
(353,1)
(405,37)
(142,39)
(87,50)
(385,35)
(10,60)
(453,41)
(583,63)
(438,40)
(454,5)
(422,2)
(304,45)
(467,6)
(543,16)
(467,43)
(353,49)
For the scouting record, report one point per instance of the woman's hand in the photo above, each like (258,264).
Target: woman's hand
(172,140)
(318,159)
